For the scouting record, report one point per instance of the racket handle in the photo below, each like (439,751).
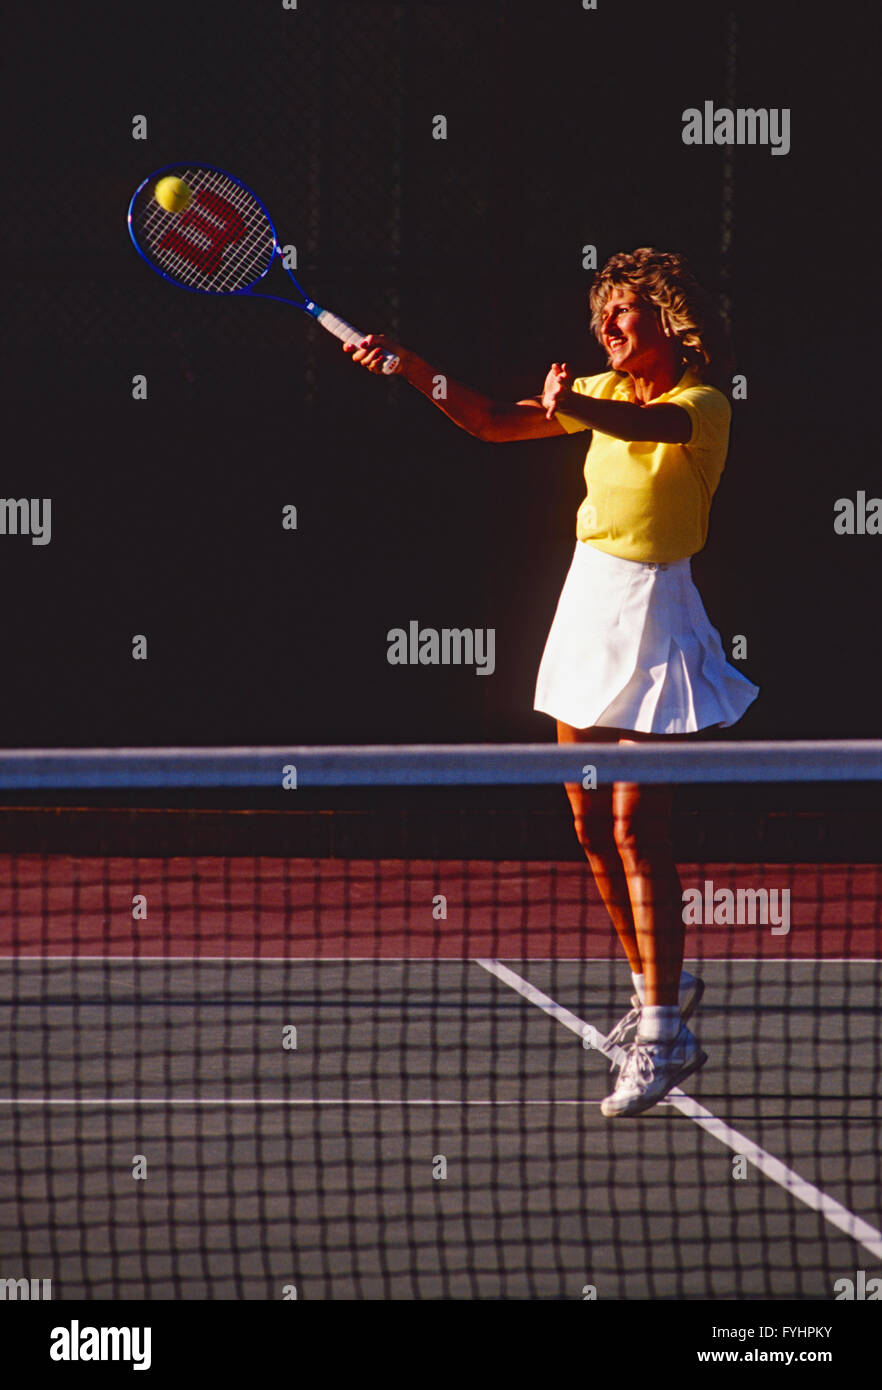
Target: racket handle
(347,334)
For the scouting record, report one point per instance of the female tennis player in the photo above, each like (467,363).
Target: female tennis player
(631,655)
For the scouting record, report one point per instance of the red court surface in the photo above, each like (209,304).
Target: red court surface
(325,908)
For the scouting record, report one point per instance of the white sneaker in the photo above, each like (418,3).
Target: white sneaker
(689,1000)
(650,1070)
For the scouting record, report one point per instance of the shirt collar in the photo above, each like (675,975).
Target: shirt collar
(624,388)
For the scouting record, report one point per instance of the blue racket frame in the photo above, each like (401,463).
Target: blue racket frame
(309,306)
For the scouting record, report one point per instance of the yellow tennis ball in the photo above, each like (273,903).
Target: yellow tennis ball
(172,194)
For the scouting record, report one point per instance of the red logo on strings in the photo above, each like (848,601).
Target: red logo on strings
(226,228)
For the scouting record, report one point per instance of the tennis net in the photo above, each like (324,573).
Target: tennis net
(330,1023)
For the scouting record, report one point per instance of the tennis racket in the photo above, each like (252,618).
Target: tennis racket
(221,242)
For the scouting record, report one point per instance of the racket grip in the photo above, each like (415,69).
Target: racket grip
(347,334)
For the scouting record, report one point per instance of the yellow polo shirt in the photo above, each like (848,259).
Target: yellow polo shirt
(649,501)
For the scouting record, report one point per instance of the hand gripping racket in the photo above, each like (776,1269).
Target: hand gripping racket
(221,241)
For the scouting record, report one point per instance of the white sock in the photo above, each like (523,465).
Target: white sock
(686,983)
(659,1023)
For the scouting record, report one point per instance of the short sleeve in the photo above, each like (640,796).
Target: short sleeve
(710,415)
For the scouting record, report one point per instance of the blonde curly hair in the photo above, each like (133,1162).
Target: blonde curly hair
(664,280)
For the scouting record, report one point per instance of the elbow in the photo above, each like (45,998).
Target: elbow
(488,427)
(476,429)
(487,433)
(495,435)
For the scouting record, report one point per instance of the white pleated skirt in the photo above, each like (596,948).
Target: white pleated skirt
(631,647)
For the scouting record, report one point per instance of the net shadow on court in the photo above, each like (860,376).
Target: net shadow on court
(319,1166)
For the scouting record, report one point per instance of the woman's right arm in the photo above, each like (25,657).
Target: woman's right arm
(495,421)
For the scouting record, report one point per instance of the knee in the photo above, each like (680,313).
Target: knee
(641,836)
(594,833)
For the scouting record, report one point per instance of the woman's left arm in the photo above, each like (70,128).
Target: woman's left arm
(662,424)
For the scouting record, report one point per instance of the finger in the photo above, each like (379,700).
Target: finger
(364,356)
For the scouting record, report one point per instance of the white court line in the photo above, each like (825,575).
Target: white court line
(834,1212)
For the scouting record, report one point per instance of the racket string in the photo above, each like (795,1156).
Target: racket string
(221,243)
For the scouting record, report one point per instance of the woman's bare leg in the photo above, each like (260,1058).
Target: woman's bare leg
(625,831)
(642,827)
(595,827)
